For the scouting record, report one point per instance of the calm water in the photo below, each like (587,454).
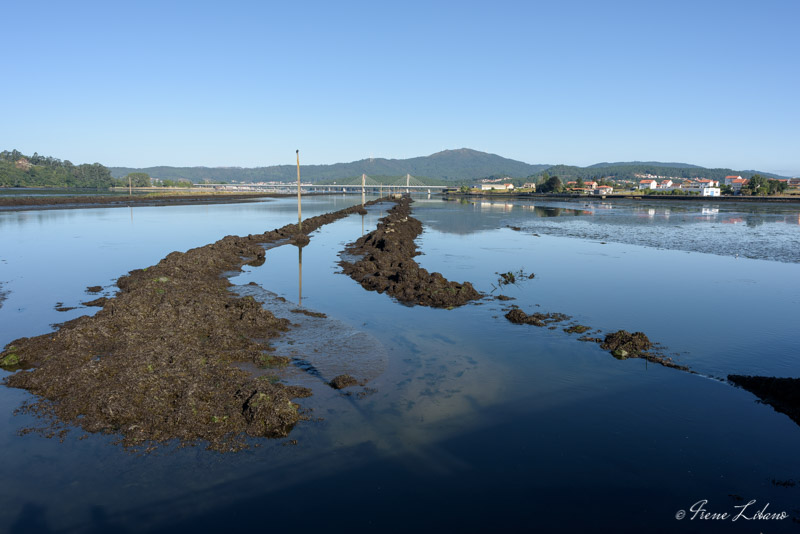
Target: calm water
(60,192)
(475,424)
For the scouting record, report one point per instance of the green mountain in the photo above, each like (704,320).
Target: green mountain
(449,165)
(651,163)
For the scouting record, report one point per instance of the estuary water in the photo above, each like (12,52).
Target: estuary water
(468,423)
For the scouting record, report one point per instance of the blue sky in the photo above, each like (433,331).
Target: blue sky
(246,83)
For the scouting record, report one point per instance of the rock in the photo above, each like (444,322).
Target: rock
(632,344)
(343,381)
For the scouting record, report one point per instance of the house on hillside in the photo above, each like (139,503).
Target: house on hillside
(529,185)
(708,183)
(589,186)
(665,184)
(737,183)
(648,184)
(728,180)
(603,190)
(704,188)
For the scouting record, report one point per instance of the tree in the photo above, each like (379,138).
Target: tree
(580,183)
(776,187)
(552,185)
(755,185)
(137,179)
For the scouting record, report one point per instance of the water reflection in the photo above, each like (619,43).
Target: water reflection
(300,276)
(664,224)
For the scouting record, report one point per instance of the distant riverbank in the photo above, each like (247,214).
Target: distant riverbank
(41,202)
(566,196)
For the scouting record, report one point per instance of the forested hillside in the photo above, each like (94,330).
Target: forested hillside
(630,171)
(18,170)
(448,165)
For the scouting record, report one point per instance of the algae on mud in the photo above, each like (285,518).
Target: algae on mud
(387,264)
(621,344)
(155,364)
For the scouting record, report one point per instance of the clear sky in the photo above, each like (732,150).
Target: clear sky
(234,83)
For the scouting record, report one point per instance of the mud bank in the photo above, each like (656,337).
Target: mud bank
(155,364)
(783,394)
(387,264)
(621,344)
(99,201)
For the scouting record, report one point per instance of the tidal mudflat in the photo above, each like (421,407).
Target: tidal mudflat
(474,422)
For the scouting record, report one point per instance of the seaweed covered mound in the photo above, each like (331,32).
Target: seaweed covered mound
(622,344)
(517,316)
(388,264)
(156,362)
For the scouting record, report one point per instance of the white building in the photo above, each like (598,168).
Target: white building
(496,187)
(648,184)
(704,190)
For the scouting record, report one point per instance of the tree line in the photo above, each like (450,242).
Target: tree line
(19,170)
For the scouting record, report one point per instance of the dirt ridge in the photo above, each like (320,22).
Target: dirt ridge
(155,363)
(388,264)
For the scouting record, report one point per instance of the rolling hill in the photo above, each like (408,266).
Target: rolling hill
(448,165)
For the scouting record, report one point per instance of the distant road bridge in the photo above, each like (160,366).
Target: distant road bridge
(367,185)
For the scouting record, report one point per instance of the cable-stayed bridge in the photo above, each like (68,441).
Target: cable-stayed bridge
(367,184)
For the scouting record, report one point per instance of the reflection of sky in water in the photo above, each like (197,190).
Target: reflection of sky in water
(475,423)
(762,231)
(721,314)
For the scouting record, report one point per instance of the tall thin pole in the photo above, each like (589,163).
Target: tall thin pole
(130,186)
(299,208)
(363,184)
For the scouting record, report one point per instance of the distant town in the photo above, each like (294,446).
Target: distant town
(648,184)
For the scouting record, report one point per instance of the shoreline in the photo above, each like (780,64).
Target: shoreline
(566,196)
(29,203)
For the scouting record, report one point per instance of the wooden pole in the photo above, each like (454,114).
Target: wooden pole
(130,187)
(299,208)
